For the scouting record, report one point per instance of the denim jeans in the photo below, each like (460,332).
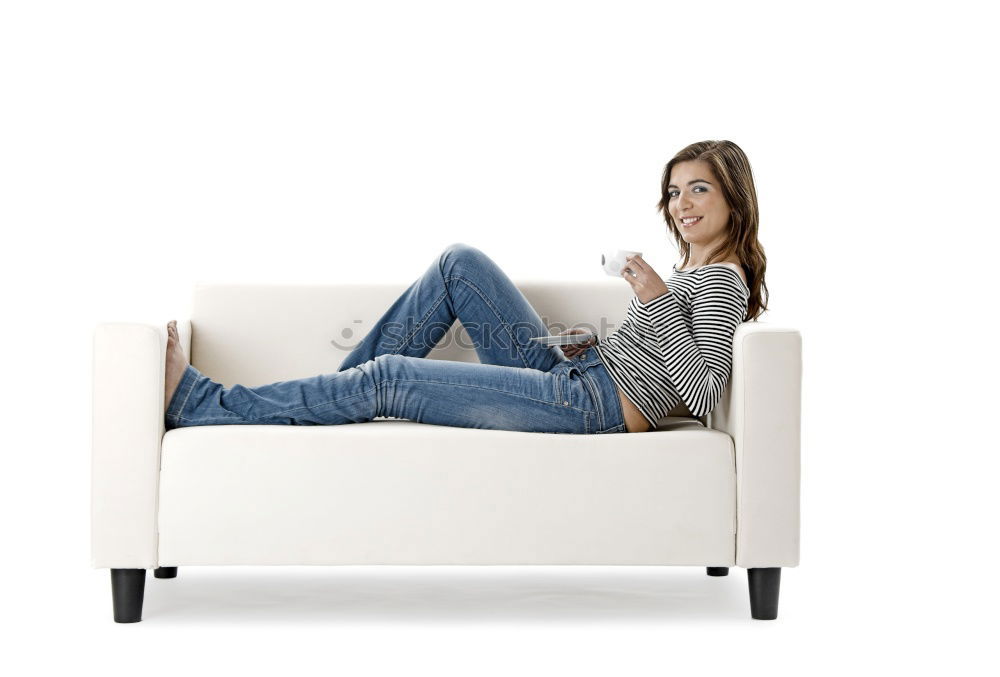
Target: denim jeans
(519,384)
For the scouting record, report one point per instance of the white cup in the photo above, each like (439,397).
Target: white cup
(613,265)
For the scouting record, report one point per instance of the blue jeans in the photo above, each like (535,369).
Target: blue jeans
(518,385)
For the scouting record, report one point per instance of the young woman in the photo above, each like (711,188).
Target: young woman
(674,346)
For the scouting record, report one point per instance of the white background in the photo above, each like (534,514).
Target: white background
(145,147)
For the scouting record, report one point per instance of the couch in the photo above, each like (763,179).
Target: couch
(717,491)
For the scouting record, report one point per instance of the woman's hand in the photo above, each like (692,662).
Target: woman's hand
(646,283)
(574,350)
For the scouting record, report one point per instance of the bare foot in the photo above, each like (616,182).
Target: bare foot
(176,363)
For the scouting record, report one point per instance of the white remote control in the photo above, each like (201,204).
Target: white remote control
(564,340)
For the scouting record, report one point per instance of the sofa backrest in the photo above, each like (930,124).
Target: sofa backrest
(257,334)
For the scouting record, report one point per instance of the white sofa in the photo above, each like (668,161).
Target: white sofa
(718,491)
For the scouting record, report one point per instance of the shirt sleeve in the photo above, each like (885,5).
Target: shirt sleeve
(698,353)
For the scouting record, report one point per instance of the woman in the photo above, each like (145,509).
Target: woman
(674,346)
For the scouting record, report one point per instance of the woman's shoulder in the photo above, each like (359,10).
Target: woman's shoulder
(733,265)
(738,268)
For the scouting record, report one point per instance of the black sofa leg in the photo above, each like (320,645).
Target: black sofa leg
(127,587)
(165,572)
(764,584)
(718,571)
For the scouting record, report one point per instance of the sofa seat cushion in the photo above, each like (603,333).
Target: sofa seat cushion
(393,491)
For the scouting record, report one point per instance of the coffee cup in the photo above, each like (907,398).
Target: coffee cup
(613,264)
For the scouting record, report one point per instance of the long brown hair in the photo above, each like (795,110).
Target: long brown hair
(732,169)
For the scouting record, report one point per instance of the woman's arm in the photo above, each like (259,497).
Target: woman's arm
(699,358)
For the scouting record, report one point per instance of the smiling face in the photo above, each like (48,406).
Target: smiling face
(694,191)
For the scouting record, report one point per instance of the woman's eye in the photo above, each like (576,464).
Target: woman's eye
(673,193)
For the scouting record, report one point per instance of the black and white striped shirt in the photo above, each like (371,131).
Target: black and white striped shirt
(679,346)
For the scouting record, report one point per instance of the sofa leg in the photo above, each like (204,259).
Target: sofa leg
(764,584)
(718,571)
(127,587)
(165,572)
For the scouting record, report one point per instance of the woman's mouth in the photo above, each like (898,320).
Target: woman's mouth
(686,224)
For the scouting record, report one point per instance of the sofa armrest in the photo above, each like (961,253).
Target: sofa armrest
(761,410)
(129,361)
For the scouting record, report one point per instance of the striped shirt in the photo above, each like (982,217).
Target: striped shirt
(679,346)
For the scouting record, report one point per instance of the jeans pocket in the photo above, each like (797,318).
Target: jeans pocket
(563,384)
